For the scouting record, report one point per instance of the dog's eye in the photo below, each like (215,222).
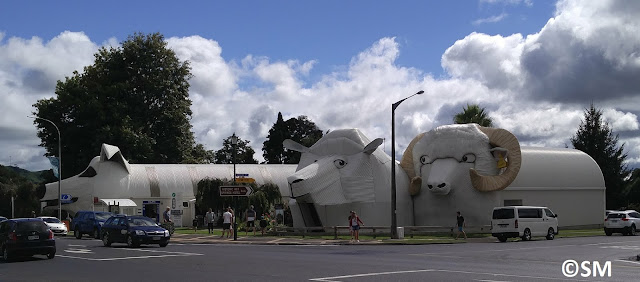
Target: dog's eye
(425,160)
(339,163)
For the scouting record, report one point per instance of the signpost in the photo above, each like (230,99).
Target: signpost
(245,180)
(242,191)
(65,199)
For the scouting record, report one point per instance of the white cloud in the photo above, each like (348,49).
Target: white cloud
(492,19)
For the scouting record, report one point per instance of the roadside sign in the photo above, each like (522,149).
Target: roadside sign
(235,191)
(65,199)
(245,180)
(242,174)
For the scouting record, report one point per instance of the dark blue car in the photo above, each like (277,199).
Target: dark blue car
(134,231)
(89,222)
(26,237)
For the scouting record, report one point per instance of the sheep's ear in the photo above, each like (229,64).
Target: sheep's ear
(295,146)
(372,146)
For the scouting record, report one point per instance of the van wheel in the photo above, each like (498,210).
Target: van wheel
(502,239)
(77,233)
(551,234)
(607,232)
(527,235)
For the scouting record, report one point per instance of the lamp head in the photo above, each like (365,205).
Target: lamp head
(420,92)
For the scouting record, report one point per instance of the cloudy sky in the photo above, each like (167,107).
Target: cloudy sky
(534,65)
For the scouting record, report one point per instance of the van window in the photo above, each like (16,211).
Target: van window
(549,213)
(503,214)
(530,213)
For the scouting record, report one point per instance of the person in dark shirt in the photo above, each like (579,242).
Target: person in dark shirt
(460,224)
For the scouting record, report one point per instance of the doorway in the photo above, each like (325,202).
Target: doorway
(151,211)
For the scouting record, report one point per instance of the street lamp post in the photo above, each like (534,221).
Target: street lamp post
(59,166)
(234,142)
(394,222)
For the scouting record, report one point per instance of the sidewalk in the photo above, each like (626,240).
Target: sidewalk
(276,240)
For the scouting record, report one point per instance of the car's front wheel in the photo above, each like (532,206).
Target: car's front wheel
(551,234)
(106,241)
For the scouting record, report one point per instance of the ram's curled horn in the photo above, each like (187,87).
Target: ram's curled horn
(409,167)
(500,138)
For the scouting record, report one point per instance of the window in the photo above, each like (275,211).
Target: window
(109,221)
(517,202)
(503,214)
(549,213)
(103,216)
(51,220)
(530,213)
(616,215)
(31,225)
(635,214)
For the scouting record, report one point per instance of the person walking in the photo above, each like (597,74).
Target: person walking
(251,221)
(210,218)
(350,228)
(226,223)
(166,215)
(460,223)
(263,223)
(355,223)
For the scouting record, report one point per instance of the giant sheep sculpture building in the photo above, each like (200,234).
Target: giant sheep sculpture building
(346,171)
(456,168)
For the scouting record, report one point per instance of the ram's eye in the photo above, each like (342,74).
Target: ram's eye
(339,163)
(468,158)
(425,160)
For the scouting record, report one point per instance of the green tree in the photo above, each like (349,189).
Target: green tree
(244,152)
(300,129)
(596,139)
(23,191)
(632,191)
(473,114)
(134,96)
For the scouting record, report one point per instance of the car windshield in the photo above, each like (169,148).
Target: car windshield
(31,225)
(616,215)
(103,216)
(503,214)
(51,220)
(141,222)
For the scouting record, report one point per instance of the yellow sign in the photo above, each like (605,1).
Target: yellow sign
(245,180)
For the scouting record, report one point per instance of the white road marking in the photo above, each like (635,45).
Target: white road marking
(492,280)
(629,261)
(167,254)
(78,251)
(520,249)
(76,245)
(333,279)
(276,240)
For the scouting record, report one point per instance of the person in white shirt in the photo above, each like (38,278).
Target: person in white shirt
(227,218)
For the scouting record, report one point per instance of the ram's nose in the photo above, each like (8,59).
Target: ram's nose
(294,179)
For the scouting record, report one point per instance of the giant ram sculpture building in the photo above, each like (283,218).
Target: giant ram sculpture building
(471,169)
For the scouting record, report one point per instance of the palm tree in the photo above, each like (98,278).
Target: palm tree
(473,114)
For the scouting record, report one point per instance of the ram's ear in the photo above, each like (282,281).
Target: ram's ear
(295,146)
(372,146)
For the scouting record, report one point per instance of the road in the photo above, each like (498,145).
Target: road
(538,260)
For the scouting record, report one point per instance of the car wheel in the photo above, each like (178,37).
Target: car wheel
(527,235)
(106,241)
(632,230)
(77,233)
(5,254)
(96,233)
(130,242)
(164,244)
(51,255)
(551,234)
(502,239)
(607,232)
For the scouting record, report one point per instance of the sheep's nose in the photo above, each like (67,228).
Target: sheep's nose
(430,186)
(441,185)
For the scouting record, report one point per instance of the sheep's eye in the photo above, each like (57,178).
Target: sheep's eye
(339,163)
(468,158)
(425,160)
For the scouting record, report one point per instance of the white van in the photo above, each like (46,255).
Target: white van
(524,222)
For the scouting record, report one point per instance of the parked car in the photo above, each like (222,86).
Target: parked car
(26,237)
(524,222)
(134,231)
(89,222)
(2,218)
(625,222)
(55,225)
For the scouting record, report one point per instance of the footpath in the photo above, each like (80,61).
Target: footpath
(290,240)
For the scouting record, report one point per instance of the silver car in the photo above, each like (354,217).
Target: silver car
(55,225)
(625,222)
